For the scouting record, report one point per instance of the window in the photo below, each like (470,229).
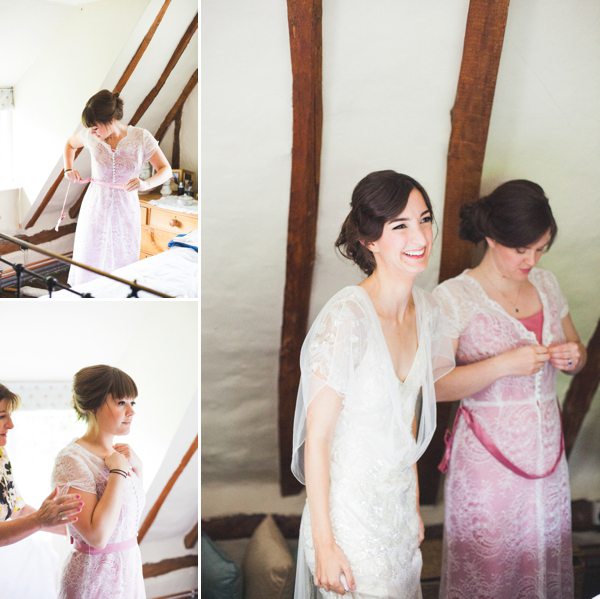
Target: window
(44,424)
(6,138)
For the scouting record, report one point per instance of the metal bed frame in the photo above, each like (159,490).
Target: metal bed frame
(52,283)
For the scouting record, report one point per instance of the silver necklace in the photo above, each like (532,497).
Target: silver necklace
(504,295)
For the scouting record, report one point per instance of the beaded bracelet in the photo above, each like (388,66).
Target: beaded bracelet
(67,170)
(121,472)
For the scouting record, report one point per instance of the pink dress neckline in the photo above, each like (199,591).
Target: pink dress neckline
(535,324)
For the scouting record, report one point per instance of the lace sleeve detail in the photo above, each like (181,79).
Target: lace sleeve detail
(557,295)
(456,319)
(149,144)
(70,470)
(330,354)
(334,347)
(442,349)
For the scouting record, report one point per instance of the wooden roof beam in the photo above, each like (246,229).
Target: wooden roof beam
(187,90)
(181,46)
(304,24)
(486,22)
(165,492)
(581,392)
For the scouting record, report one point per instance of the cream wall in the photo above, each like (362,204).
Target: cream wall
(390,71)
(53,91)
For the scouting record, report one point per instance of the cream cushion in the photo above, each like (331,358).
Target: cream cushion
(268,566)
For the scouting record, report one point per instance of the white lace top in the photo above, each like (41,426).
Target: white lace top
(118,574)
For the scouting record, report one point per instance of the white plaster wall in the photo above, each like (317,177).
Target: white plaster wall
(390,71)
(246,160)
(53,90)
(545,128)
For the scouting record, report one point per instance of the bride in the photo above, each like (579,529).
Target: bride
(357,432)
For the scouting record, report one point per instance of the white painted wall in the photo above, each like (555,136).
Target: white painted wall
(390,71)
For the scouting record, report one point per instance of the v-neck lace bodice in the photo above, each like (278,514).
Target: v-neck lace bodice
(372,480)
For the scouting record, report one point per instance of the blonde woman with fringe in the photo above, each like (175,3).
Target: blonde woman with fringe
(17,519)
(105,562)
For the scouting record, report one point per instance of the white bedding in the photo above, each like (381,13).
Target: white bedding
(174,272)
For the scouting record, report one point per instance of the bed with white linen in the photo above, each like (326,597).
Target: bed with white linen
(174,272)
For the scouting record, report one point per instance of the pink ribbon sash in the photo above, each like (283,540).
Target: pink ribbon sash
(82,181)
(89,550)
(489,444)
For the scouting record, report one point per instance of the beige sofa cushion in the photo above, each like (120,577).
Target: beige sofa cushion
(268,566)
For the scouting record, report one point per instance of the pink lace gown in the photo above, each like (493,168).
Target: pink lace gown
(506,536)
(108,228)
(116,575)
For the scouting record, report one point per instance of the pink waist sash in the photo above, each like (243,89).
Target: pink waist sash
(489,444)
(89,550)
(104,183)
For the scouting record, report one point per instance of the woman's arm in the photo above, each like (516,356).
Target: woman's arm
(73,143)
(421,523)
(99,517)
(53,513)
(163,173)
(463,381)
(330,561)
(136,463)
(573,350)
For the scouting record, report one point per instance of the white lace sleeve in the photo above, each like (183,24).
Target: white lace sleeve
(330,353)
(456,319)
(71,471)
(442,349)
(557,295)
(150,144)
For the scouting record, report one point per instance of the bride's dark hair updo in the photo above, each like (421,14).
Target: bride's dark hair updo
(377,199)
(515,215)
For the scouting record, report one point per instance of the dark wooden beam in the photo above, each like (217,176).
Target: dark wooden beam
(185,40)
(304,23)
(191,538)
(169,565)
(242,526)
(176,157)
(6,247)
(142,48)
(165,492)
(486,22)
(187,90)
(581,392)
(118,88)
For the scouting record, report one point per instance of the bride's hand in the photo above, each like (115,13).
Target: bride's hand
(330,564)
(125,450)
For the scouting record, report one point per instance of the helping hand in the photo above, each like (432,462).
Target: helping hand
(526,360)
(565,356)
(54,512)
(136,183)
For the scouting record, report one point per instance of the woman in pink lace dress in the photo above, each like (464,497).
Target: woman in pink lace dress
(507,522)
(108,228)
(105,561)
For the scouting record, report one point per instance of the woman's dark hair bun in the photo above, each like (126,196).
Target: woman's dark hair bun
(516,214)
(471,226)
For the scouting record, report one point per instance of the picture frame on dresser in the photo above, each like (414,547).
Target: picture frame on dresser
(180,174)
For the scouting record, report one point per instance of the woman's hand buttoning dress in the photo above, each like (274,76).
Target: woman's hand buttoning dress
(108,233)
(507,522)
(370,352)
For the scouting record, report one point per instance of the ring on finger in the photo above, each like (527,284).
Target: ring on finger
(570,362)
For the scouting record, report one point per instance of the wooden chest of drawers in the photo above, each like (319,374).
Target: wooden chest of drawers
(160,225)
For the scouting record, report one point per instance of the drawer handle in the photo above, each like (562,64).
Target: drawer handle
(174,223)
